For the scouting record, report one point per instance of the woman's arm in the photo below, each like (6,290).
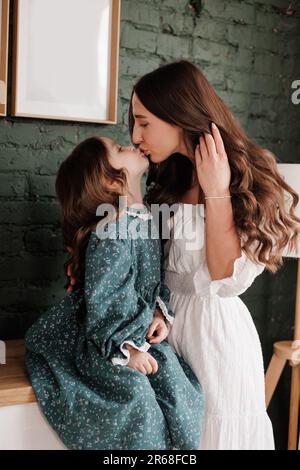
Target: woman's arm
(223,245)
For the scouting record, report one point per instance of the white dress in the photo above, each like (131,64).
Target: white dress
(214,332)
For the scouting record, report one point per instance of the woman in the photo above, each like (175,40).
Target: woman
(203,159)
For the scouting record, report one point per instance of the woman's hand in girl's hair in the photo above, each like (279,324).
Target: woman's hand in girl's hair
(212,164)
(158,330)
(142,361)
(73,279)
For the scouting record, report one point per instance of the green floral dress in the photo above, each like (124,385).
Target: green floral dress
(76,352)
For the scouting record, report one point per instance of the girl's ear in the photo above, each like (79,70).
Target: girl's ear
(112,185)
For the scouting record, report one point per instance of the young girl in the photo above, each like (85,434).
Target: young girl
(203,159)
(99,382)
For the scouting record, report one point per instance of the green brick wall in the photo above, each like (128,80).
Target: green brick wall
(250,52)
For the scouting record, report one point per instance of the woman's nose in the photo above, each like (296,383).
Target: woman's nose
(136,136)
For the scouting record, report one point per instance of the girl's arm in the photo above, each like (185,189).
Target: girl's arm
(115,312)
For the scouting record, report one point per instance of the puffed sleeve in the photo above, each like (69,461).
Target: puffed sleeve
(116,314)
(244,273)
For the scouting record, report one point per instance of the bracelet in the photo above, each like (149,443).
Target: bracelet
(216,197)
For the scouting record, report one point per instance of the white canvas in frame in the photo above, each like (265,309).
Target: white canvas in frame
(4,20)
(66,59)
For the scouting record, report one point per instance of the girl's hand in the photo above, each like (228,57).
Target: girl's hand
(158,330)
(212,164)
(142,362)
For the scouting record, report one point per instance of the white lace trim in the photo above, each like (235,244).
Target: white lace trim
(119,361)
(145,216)
(164,310)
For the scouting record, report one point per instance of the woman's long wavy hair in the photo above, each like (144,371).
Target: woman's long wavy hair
(179,94)
(81,186)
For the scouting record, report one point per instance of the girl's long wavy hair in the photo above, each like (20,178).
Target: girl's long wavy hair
(81,186)
(179,94)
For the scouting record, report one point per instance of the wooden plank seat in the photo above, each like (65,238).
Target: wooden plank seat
(15,387)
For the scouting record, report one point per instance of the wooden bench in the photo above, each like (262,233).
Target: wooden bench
(15,387)
(23,425)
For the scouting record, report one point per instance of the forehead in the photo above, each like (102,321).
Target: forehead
(138,109)
(107,141)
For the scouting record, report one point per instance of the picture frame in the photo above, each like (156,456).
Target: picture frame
(65,59)
(4,26)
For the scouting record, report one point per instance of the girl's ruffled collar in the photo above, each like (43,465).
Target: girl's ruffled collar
(139,210)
